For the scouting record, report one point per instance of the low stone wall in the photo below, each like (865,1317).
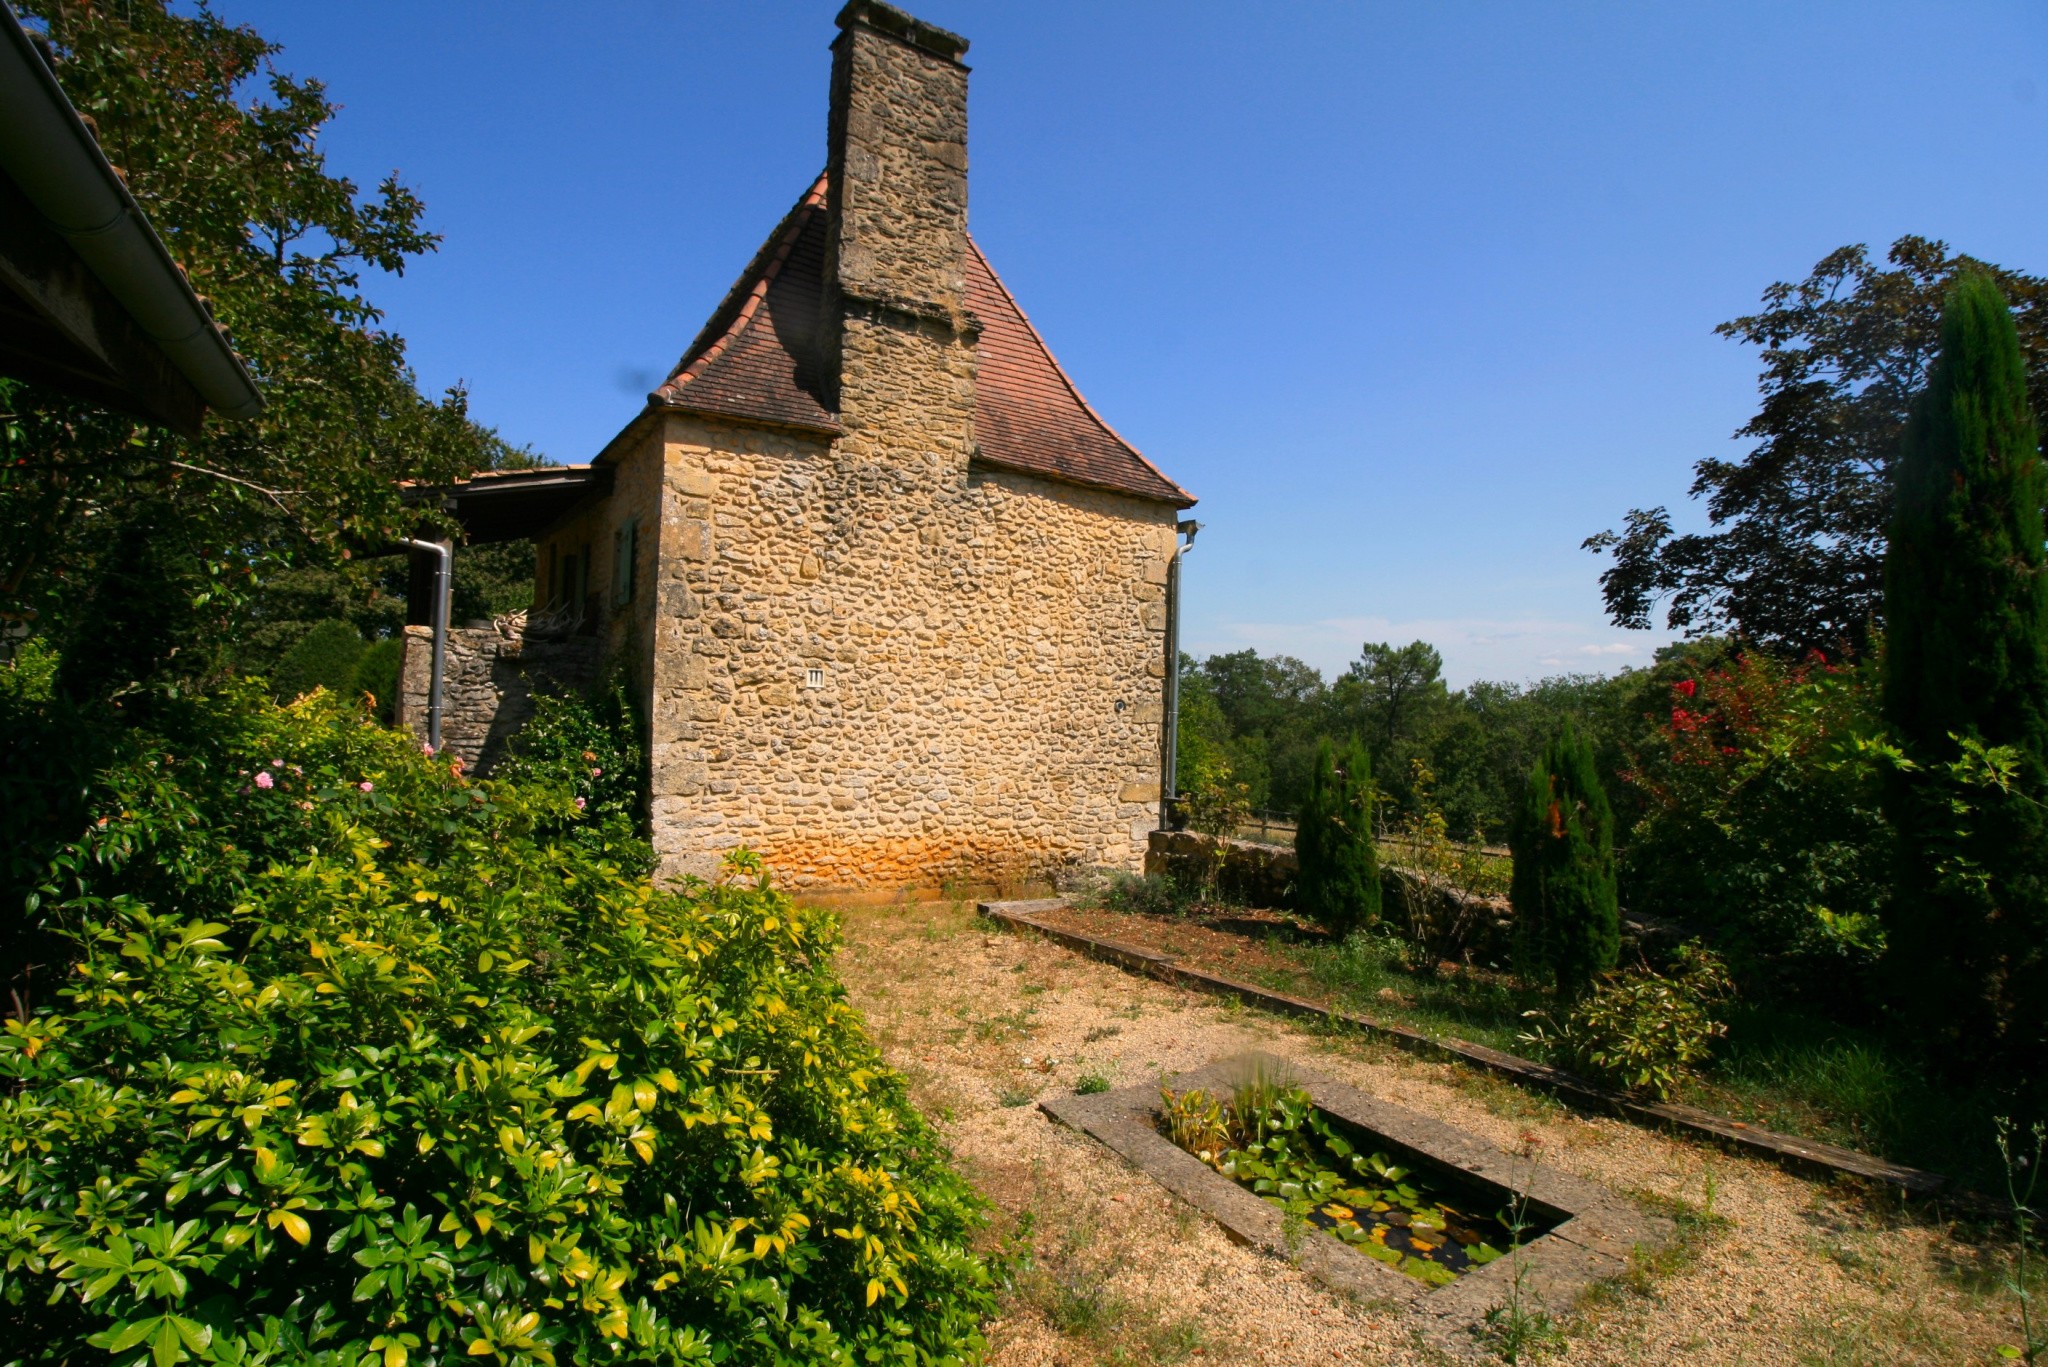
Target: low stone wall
(1240,870)
(1263,875)
(492,673)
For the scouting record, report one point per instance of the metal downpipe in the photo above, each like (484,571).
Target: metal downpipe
(1169,732)
(444,583)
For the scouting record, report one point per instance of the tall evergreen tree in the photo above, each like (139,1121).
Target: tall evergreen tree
(1567,920)
(1966,657)
(1337,880)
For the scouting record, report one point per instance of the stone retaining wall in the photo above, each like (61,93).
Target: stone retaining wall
(1263,875)
(492,673)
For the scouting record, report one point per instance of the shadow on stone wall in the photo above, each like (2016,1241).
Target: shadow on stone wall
(493,671)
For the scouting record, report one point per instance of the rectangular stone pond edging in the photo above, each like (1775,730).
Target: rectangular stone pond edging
(1592,1240)
(1810,1157)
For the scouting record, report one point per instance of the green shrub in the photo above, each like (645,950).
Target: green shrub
(1337,877)
(354,1066)
(586,746)
(1761,821)
(1214,803)
(325,657)
(377,674)
(1567,921)
(1146,895)
(1643,1031)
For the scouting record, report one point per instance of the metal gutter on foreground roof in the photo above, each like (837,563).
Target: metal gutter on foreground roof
(58,165)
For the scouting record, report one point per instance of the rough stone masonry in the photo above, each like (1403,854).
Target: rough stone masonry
(896,598)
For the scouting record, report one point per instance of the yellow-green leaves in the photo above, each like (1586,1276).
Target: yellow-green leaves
(291,1222)
(634,1115)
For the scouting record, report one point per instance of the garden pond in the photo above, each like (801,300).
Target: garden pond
(1273,1140)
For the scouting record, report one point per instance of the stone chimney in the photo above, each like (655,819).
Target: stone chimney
(898,161)
(896,259)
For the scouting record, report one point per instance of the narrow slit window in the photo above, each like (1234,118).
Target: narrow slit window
(814,678)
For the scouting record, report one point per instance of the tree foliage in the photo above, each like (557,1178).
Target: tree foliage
(111,526)
(1337,879)
(1760,820)
(1966,591)
(1478,741)
(1795,560)
(355,1065)
(1567,918)
(325,657)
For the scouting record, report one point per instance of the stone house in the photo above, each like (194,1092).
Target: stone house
(892,594)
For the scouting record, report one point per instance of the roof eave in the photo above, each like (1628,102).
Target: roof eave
(1180,498)
(809,429)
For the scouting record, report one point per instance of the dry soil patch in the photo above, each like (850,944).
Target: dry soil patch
(984,1022)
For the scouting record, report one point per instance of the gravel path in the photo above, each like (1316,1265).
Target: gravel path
(983,1022)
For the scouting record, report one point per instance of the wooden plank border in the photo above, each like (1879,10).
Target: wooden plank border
(1809,1157)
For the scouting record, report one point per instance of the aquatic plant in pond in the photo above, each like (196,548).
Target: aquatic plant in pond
(1271,1139)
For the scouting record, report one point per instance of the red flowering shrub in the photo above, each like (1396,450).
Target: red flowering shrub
(1760,812)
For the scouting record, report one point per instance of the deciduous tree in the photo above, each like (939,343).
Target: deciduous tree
(107,525)
(1795,559)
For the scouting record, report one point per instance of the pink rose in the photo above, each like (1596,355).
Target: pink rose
(580,804)
(264,780)
(426,749)
(365,786)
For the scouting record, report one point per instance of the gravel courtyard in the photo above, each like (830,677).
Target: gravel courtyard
(1773,1268)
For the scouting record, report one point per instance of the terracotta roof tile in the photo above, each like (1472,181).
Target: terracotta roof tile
(1029,416)
(760,357)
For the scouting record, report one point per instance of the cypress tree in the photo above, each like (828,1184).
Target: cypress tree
(1567,919)
(1337,879)
(1966,656)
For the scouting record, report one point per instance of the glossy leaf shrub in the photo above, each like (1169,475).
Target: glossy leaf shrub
(1642,1031)
(354,1069)
(586,746)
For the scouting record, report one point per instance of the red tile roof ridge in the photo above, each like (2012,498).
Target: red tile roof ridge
(1066,379)
(776,250)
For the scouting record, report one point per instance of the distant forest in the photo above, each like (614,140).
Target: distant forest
(1257,719)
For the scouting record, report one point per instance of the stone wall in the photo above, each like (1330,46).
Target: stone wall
(988,648)
(1465,924)
(491,675)
(874,662)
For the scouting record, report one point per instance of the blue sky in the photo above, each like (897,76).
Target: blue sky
(1414,297)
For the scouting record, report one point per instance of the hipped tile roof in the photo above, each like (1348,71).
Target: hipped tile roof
(761,357)
(1029,416)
